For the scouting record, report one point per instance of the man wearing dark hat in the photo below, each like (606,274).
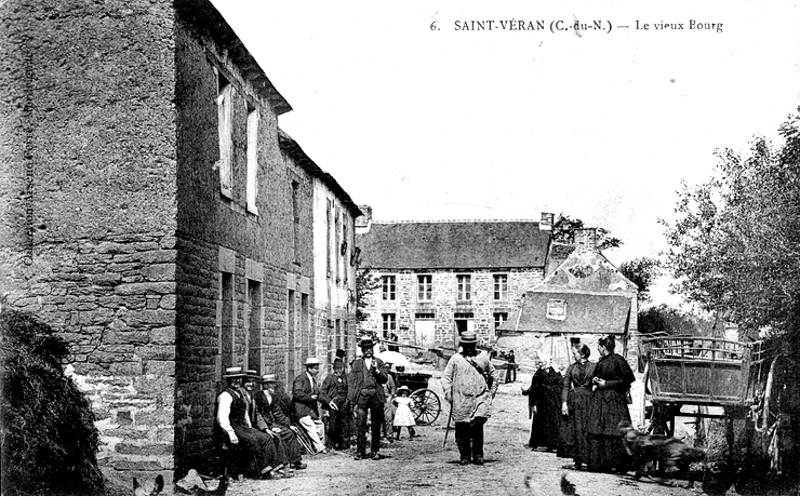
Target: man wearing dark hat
(233,420)
(365,394)
(305,397)
(334,387)
(275,422)
(470,382)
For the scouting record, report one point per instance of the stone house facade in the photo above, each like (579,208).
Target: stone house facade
(440,278)
(150,214)
(332,244)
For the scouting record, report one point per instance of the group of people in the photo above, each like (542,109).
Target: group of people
(578,414)
(267,431)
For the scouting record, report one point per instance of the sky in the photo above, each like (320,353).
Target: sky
(423,119)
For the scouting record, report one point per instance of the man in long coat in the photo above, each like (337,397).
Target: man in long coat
(365,394)
(270,415)
(466,383)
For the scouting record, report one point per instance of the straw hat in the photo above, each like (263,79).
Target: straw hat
(312,361)
(269,378)
(234,372)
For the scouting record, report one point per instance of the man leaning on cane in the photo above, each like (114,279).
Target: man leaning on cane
(470,382)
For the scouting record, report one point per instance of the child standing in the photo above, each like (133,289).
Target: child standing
(403,416)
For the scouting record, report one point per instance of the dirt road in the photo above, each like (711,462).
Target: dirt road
(422,467)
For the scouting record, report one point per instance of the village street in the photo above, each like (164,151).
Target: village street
(422,467)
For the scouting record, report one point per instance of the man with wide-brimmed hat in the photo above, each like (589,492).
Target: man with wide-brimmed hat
(365,394)
(272,419)
(256,452)
(306,396)
(334,387)
(470,382)
(389,390)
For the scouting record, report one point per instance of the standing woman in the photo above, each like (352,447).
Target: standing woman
(607,407)
(575,398)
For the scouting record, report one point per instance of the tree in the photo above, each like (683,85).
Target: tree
(672,321)
(564,231)
(365,285)
(736,243)
(641,271)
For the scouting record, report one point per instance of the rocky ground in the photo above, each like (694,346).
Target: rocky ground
(423,467)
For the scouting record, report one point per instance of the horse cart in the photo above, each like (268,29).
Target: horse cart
(426,406)
(723,379)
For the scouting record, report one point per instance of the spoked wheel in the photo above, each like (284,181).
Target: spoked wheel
(770,422)
(426,406)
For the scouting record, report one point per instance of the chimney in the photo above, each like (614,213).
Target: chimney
(546,224)
(364,221)
(586,239)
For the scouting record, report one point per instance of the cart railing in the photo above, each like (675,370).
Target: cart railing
(706,370)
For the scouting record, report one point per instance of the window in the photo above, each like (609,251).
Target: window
(500,286)
(252,160)
(336,242)
(425,315)
(328,228)
(425,287)
(389,324)
(225,130)
(464,287)
(254,325)
(389,287)
(227,324)
(293,359)
(296,219)
(344,250)
(499,318)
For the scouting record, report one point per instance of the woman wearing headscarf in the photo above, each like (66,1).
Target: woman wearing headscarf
(548,406)
(608,406)
(576,393)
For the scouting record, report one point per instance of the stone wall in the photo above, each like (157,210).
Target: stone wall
(87,207)
(444,302)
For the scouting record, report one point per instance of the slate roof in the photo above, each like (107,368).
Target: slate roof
(584,313)
(292,148)
(596,296)
(454,245)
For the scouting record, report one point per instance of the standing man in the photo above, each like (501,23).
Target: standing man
(511,367)
(305,395)
(389,391)
(334,387)
(365,394)
(470,382)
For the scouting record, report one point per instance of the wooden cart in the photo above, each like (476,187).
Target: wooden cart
(426,406)
(745,379)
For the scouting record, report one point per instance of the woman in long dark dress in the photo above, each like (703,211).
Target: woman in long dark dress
(607,407)
(545,395)
(575,396)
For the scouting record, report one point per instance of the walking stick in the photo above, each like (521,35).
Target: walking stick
(450,417)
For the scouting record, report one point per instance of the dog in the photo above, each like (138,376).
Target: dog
(658,454)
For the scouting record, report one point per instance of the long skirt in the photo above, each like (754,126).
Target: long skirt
(573,441)
(606,409)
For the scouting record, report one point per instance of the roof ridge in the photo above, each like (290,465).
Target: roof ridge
(435,221)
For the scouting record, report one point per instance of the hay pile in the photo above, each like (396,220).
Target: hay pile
(48,438)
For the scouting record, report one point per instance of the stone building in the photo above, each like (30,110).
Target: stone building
(332,243)
(439,278)
(584,298)
(150,212)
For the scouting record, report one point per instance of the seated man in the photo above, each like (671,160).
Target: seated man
(255,451)
(272,418)
(281,459)
(305,396)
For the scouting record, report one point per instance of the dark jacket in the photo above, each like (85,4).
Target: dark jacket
(335,388)
(355,379)
(302,391)
(282,409)
(608,404)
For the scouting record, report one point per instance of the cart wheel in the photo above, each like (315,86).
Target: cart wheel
(771,414)
(426,406)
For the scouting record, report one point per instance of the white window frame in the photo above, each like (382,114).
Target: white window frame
(389,287)
(500,287)
(225,131)
(464,287)
(424,289)
(252,160)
